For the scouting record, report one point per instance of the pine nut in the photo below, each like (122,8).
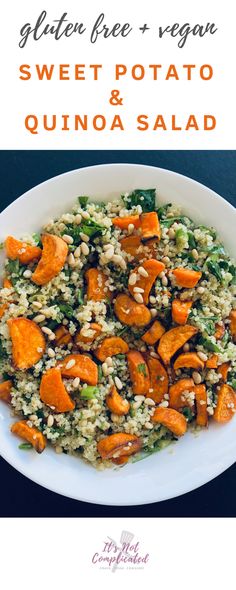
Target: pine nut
(200,290)
(171,233)
(153,312)
(78,219)
(186,347)
(109,253)
(58,449)
(138,297)
(139,398)
(27,274)
(142,271)
(194,253)
(149,402)
(130,228)
(39,318)
(51,352)
(109,361)
(196,377)
(132,278)
(148,425)
(84,237)
(164,281)
(76,382)
(77,252)
(67,239)
(85,214)
(118,382)
(37,304)
(152,299)
(47,331)
(71,259)
(50,420)
(70,364)
(84,249)
(138,290)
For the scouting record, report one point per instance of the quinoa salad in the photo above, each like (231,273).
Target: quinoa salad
(117,330)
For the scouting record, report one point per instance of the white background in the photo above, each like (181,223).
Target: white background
(217,96)
(57,553)
(191,553)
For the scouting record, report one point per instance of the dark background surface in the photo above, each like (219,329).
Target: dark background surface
(20,171)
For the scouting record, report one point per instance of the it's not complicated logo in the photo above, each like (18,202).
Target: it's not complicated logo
(127,553)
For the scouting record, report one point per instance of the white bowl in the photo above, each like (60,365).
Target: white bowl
(194,460)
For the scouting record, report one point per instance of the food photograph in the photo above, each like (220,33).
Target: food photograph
(118,333)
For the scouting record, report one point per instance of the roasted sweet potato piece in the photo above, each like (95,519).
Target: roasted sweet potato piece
(124,222)
(82,367)
(177,398)
(153,268)
(180,311)
(17,250)
(188,360)
(232,318)
(5,391)
(3,308)
(28,342)
(53,258)
(116,403)
(96,288)
(159,380)
(154,333)
(95,331)
(120,460)
(212,362)
(226,404)
(119,445)
(31,434)
(63,336)
(139,372)
(110,347)
(220,330)
(131,313)
(201,405)
(134,246)
(171,419)
(223,370)
(174,339)
(150,226)
(185,277)
(7,284)
(53,392)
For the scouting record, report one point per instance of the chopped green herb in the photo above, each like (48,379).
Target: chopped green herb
(3,352)
(142,369)
(191,240)
(144,197)
(214,268)
(80,298)
(91,228)
(25,446)
(37,239)
(187,413)
(100,373)
(162,211)
(89,392)
(83,201)
(66,309)
(181,219)
(209,345)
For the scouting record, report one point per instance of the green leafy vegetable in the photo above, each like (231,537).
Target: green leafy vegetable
(83,201)
(191,240)
(144,197)
(181,219)
(209,345)
(3,352)
(188,413)
(91,228)
(215,270)
(162,211)
(181,238)
(142,369)
(89,392)
(37,239)
(100,373)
